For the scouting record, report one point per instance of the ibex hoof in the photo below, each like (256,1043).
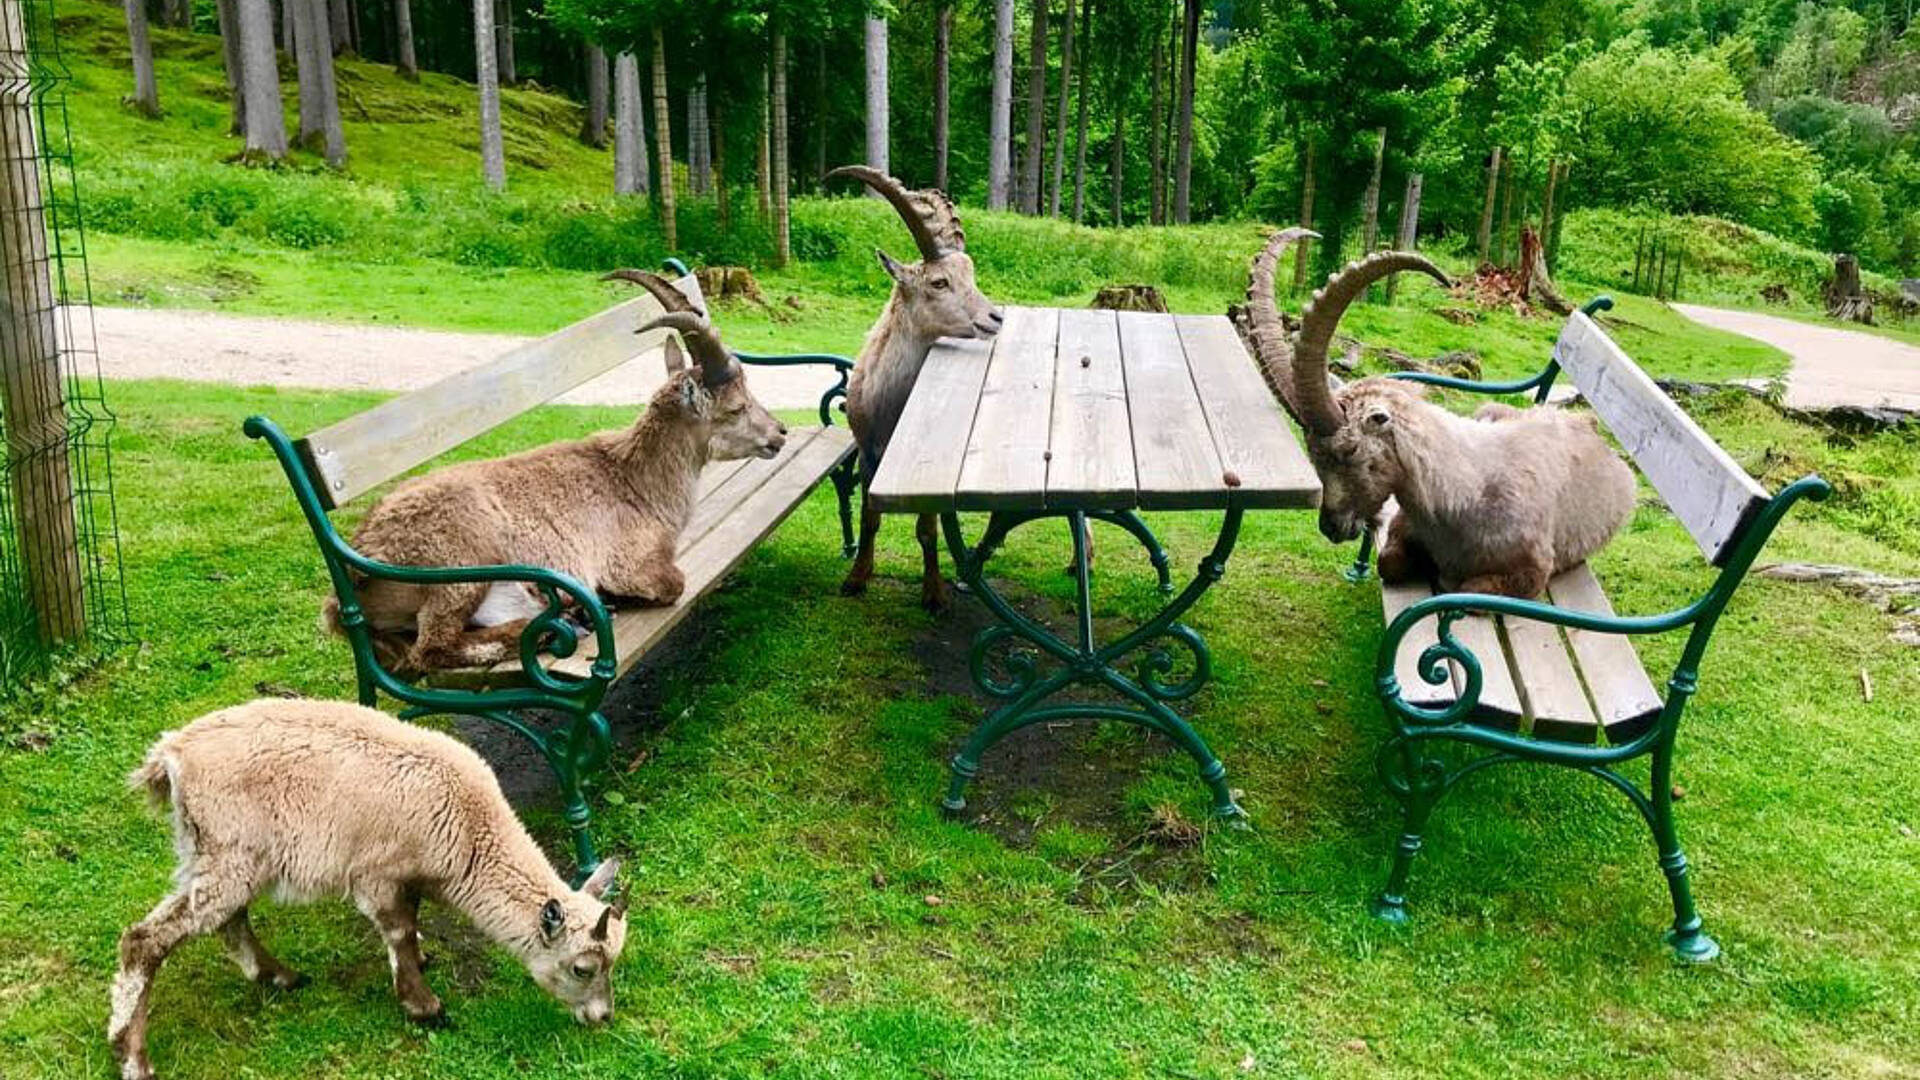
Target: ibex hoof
(853,587)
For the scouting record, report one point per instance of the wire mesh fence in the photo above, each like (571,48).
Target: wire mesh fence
(60,575)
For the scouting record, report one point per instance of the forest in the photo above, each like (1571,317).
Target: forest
(1794,118)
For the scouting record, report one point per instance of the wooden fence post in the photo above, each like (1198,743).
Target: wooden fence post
(1306,220)
(1371,231)
(33,399)
(1409,234)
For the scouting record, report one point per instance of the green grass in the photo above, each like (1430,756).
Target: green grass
(780,824)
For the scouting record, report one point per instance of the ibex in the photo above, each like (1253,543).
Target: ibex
(607,510)
(313,799)
(933,298)
(1495,504)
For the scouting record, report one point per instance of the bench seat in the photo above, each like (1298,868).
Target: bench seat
(1555,683)
(739,504)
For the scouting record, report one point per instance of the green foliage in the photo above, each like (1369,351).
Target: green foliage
(1671,130)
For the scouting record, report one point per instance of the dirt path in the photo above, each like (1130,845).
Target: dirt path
(240,350)
(1830,366)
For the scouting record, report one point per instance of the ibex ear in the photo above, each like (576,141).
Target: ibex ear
(601,879)
(553,920)
(694,397)
(894,269)
(676,357)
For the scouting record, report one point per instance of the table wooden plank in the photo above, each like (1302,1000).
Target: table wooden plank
(1176,464)
(1092,438)
(1249,431)
(922,465)
(1005,466)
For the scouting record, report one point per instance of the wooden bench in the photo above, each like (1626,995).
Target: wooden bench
(739,503)
(1558,681)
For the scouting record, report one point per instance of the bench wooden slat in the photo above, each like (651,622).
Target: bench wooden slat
(1005,466)
(1173,452)
(1499,697)
(713,506)
(1091,440)
(715,474)
(1623,696)
(352,457)
(921,474)
(1550,689)
(1241,413)
(1406,663)
(1708,492)
(705,563)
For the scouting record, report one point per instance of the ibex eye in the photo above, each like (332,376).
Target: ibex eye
(583,972)
(941,283)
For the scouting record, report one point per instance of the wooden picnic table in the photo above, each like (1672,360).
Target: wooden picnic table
(1091,416)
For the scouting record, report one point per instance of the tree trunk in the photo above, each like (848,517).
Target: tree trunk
(1060,115)
(1118,163)
(1183,166)
(1036,109)
(1408,237)
(31,387)
(287,44)
(1156,156)
(145,98)
(699,151)
(319,100)
(1506,212)
(593,125)
(1846,300)
(663,143)
(404,60)
(629,128)
(1546,207)
(229,16)
(1486,208)
(1370,203)
(1080,136)
(493,151)
(942,90)
(763,160)
(1306,215)
(503,43)
(260,81)
(176,13)
(334,19)
(1000,122)
(877,125)
(782,246)
(819,114)
(717,151)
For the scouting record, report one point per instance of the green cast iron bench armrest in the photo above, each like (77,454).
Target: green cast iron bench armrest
(1541,382)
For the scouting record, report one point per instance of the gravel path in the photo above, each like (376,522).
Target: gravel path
(1830,366)
(239,350)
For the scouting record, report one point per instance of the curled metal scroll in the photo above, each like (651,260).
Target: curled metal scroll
(1015,660)
(1157,663)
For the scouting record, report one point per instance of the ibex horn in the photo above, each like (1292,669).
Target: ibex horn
(717,365)
(896,193)
(1312,400)
(600,928)
(670,297)
(1271,345)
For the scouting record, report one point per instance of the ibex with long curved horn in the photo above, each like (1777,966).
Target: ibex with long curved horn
(1494,504)
(933,298)
(607,509)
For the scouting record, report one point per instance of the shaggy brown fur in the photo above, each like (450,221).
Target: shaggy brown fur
(607,510)
(1496,504)
(931,299)
(312,799)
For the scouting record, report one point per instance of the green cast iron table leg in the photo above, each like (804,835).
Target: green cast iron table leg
(1026,694)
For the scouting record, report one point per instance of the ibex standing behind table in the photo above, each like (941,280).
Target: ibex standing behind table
(607,510)
(933,298)
(1495,504)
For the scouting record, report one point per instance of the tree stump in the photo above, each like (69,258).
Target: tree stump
(1774,294)
(722,283)
(1846,300)
(1129,298)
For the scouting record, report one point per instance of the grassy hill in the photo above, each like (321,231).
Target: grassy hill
(407,234)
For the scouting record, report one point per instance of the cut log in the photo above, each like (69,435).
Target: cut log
(723,283)
(1898,597)
(1846,300)
(1129,298)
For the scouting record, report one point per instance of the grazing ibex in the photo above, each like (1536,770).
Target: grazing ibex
(933,298)
(1495,504)
(607,510)
(314,799)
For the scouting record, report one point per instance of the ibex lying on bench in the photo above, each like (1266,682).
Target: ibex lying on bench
(1496,504)
(606,509)
(932,299)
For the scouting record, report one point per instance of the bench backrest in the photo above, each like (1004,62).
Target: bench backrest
(366,450)
(1713,497)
